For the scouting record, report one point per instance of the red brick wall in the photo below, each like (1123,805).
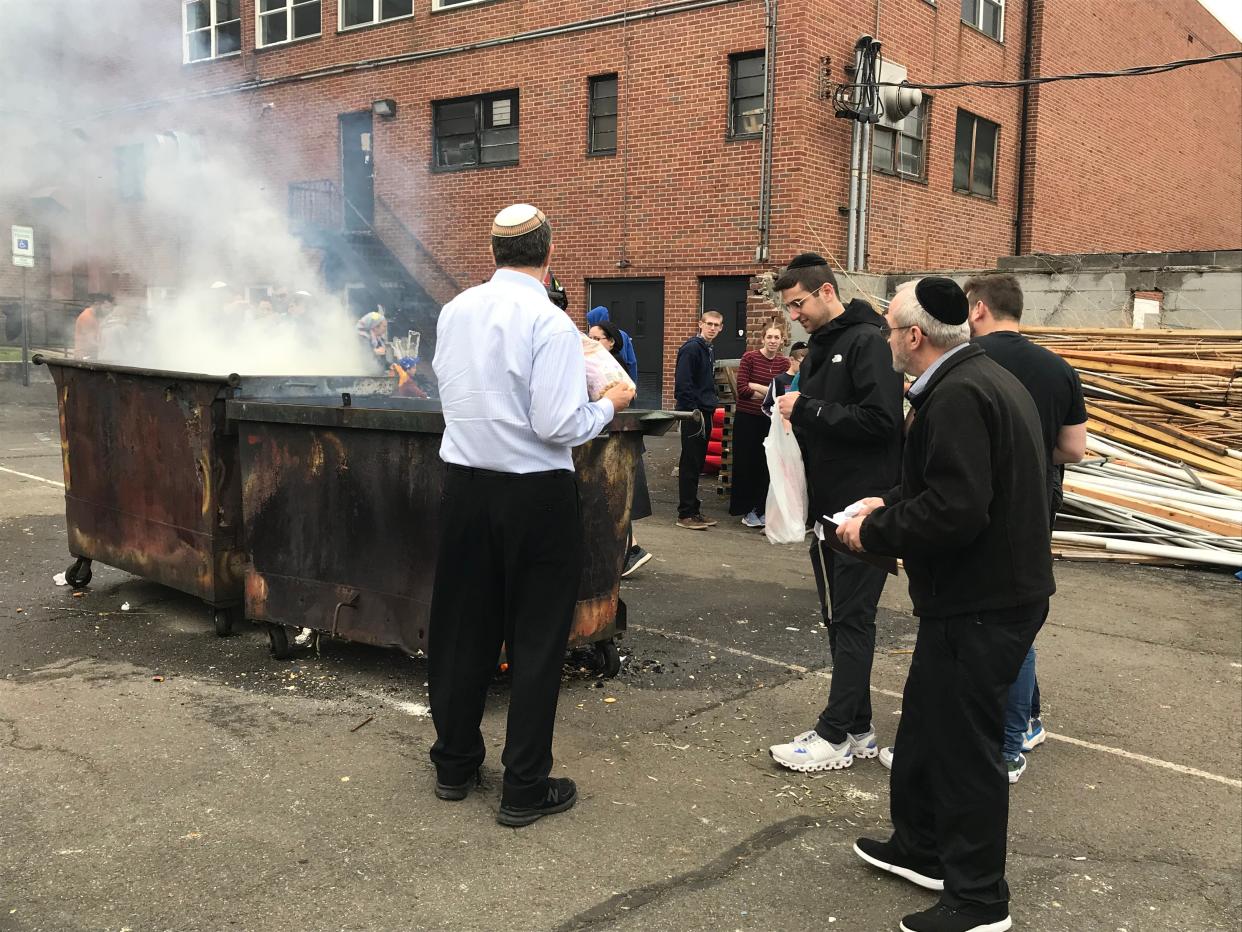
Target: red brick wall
(1132,164)
(680,200)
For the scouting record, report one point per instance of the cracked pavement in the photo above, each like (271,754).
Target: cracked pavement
(238,792)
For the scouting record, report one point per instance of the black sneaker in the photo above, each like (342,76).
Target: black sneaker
(636,558)
(561,795)
(941,918)
(885,856)
(454,792)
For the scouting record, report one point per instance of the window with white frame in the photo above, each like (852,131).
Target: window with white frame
(988,16)
(285,20)
(897,148)
(212,29)
(364,12)
(450,4)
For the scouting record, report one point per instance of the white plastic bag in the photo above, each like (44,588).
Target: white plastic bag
(602,371)
(787,499)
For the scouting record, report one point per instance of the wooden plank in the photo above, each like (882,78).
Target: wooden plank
(1173,454)
(1149,365)
(1137,394)
(1157,430)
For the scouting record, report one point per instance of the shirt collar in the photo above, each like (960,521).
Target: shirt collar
(920,384)
(510,277)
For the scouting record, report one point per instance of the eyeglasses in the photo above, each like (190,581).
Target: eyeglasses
(886,331)
(796,303)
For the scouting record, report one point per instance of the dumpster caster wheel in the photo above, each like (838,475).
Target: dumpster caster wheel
(608,658)
(79,574)
(224,619)
(278,640)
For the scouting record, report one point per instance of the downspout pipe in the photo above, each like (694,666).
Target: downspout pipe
(864,196)
(1023,130)
(769,103)
(852,233)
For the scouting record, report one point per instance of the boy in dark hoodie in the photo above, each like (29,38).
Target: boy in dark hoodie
(847,418)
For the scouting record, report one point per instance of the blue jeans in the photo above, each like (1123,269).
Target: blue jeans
(1018,709)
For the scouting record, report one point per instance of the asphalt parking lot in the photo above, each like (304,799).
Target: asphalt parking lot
(156,777)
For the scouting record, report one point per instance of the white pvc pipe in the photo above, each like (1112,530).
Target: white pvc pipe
(1156,465)
(1218,510)
(1185,554)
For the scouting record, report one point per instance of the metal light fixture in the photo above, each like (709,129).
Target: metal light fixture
(385,109)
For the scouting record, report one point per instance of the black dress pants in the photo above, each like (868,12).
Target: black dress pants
(949,787)
(690,466)
(849,591)
(508,571)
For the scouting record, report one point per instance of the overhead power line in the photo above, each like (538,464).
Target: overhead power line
(1048,79)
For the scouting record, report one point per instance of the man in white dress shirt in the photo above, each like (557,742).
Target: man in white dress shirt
(513,390)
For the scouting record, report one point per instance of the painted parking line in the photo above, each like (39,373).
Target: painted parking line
(1053,736)
(26,475)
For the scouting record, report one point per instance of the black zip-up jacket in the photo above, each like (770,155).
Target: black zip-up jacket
(970,517)
(694,379)
(848,417)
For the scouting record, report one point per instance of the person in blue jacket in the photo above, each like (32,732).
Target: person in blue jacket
(628,357)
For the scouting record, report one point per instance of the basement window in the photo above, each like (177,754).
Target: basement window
(747,81)
(974,155)
(280,21)
(355,13)
(897,148)
(988,16)
(211,29)
(476,132)
(603,128)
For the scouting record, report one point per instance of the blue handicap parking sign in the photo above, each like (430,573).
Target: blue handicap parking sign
(23,244)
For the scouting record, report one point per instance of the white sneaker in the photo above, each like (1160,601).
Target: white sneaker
(864,746)
(809,753)
(886,757)
(752,519)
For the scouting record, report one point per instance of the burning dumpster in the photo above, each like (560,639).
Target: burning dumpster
(341,503)
(152,484)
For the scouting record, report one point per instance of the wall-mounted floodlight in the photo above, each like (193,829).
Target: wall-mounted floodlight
(385,109)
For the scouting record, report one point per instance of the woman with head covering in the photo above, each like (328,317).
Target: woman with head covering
(609,337)
(373,328)
(748,490)
(625,348)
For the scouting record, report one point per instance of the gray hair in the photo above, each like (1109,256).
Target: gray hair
(910,313)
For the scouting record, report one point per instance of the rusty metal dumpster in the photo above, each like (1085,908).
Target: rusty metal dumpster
(341,504)
(152,483)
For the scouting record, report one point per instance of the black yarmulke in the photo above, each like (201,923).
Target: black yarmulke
(805,260)
(944,299)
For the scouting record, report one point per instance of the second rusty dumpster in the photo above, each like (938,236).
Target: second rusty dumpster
(341,504)
(151,474)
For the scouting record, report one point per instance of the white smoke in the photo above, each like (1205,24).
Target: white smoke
(207,201)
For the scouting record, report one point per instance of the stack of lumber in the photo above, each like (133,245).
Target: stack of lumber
(1162,481)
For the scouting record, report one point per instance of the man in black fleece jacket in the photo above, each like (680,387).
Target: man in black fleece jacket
(847,418)
(694,389)
(970,520)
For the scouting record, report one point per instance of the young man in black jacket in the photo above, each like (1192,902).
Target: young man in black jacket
(694,389)
(970,520)
(847,418)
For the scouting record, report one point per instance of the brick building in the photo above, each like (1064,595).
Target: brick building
(392,130)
